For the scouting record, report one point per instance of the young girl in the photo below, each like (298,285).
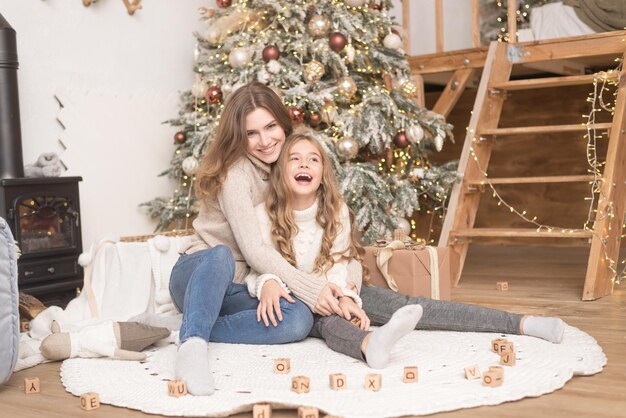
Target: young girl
(307,221)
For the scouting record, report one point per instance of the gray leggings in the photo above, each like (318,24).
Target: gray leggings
(380,304)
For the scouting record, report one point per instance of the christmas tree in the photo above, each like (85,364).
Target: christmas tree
(340,69)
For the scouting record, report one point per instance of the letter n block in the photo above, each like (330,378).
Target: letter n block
(89,401)
(176,388)
(262,410)
(410,374)
(282,365)
(373,382)
(300,384)
(507,358)
(502,286)
(337,381)
(472,372)
(308,412)
(31,385)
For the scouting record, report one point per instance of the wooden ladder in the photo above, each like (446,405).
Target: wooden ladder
(458,228)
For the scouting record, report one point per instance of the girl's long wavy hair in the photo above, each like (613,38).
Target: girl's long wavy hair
(280,209)
(231,139)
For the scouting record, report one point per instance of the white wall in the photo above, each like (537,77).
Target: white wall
(118,77)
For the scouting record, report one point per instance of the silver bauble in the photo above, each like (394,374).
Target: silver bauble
(346,87)
(347,148)
(415,133)
(354,3)
(318,25)
(392,41)
(404,225)
(239,57)
(199,89)
(190,165)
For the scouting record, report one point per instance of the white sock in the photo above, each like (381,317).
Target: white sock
(170,322)
(384,338)
(547,328)
(192,366)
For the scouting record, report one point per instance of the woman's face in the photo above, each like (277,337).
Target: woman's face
(265,136)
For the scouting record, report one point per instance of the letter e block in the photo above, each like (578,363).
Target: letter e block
(31,385)
(472,372)
(507,358)
(337,381)
(495,344)
(308,412)
(300,384)
(262,410)
(176,388)
(282,365)
(373,382)
(502,286)
(410,375)
(89,401)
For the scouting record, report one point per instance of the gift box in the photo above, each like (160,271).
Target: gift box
(411,270)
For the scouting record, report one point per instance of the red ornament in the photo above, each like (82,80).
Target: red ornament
(296,114)
(270,52)
(315,119)
(337,41)
(401,140)
(213,95)
(224,3)
(180,137)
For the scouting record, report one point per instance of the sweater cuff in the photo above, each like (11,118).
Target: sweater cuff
(264,278)
(352,294)
(308,291)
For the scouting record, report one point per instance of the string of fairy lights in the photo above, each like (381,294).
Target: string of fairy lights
(596,98)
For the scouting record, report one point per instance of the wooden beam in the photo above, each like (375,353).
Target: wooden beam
(547,129)
(522,233)
(535,180)
(418,80)
(475,23)
(406,25)
(511,19)
(453,91)
(547,82)
(439,25)
(448,61)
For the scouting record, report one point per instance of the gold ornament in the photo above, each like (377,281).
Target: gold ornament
(313,71)
(328,113)
(318,25)
(346,87)
(408,89)
(347,148)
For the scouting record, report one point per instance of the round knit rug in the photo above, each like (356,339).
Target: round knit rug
(243,376)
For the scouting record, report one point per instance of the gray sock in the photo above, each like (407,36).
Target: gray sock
(548,328)
(384,338)
(192,366)
(170,322)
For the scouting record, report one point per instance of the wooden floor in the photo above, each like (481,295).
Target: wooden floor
(544,281)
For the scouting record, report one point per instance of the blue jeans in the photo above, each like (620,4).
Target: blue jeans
(216,309)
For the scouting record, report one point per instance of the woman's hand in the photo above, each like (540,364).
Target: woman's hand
(326,303)
(352,286)
(269,302)
(350,309)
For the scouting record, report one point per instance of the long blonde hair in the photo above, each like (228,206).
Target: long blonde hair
(280,209)
(231,139)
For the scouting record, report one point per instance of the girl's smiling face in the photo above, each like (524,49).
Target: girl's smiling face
(304,173)
(265,136)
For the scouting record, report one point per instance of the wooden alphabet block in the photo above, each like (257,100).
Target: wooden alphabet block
(308,412)
(472,372)
(282,365)
(300,384)
(373,382)
(410,374)
(502,286)
(176,388)
(492,379)
(31,385)
(506,347)
(497,369)
(355,321)
(495,344)
(262,410)
(507,358)
(89,401)
(337,381)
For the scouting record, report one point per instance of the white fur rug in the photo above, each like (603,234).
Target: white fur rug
(243,376)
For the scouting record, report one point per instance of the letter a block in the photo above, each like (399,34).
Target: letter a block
(31,385)
(308,412)
(282,365)
(176,388)
(507,358)
(410,375)
(337,381)
(89,401)
(262,410)
(502,286)
(373,382)
(472,372)
(300,384)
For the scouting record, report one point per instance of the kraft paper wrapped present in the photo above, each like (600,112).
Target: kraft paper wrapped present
(411,270)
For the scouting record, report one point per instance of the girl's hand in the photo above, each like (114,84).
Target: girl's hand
(352,286)
(351,309)
(327,301)
(269,303)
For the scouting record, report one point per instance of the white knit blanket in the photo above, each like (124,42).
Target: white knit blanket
(243,376)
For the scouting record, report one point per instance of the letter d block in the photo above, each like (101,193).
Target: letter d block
(262,410)
(300,384)
(337,381)
(495,344)
(31,385)
(472,372)
(176,388)
(373,382)
(282,365)
(89,401)
(308,412)
(410,375)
